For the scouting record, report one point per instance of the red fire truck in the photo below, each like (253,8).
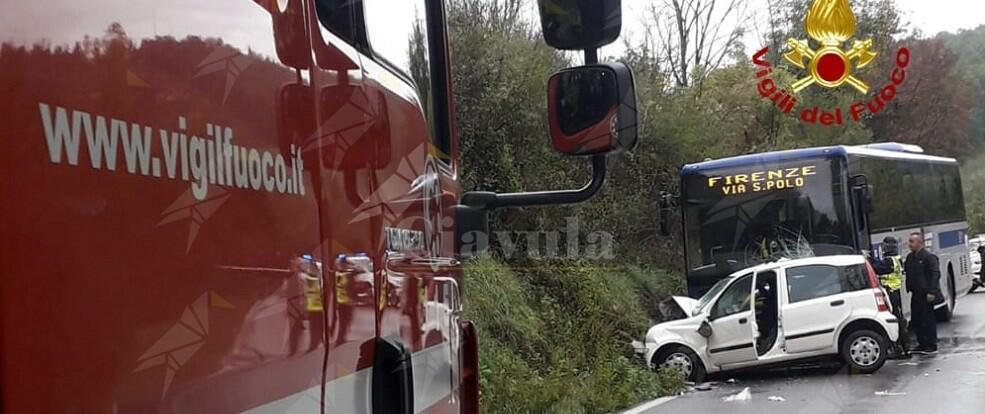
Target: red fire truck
(253,205)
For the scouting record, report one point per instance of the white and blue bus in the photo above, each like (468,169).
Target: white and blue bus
(745,210)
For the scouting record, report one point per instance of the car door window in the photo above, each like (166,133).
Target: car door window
(736,298)
(814,281)
(855,277)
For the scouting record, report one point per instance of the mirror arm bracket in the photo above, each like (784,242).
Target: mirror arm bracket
(490,201)
(591,56)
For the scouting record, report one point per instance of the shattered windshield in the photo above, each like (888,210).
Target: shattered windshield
(743,216)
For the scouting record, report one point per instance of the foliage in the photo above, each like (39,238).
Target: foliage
(555,338)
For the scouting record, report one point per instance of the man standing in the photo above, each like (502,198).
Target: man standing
(923,282)
(980,277)
(890,271)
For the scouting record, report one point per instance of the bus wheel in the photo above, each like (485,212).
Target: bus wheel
(945,313)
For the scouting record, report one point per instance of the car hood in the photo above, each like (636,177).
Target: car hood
(678,307)
(686,327)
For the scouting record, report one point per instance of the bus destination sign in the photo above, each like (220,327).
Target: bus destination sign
(763,180)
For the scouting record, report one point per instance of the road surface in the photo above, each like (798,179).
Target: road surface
(951,382)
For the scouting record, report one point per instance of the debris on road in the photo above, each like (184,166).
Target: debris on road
(777,398)
(706,386)
(731,381)
(744,395)
(889,394)
(907,363)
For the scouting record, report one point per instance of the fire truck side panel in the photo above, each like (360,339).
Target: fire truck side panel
(194,219)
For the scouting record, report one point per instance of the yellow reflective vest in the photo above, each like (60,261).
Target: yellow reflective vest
(893,281)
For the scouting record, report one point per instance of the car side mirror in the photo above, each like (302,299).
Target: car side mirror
(290,33)
(580,24)
(705,329)
(592,109)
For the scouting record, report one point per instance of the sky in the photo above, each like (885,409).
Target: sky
(250,26)
(930,16)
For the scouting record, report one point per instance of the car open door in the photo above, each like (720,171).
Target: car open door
(731,319)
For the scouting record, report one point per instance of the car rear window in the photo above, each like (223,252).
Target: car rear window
(816,281)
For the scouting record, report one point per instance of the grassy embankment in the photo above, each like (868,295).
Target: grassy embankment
(556,337)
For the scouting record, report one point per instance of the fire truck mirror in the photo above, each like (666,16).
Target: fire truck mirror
(592,109)
(355,128)
(580,24)
(296,121)
(290,36)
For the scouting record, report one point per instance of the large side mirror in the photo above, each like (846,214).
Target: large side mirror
(580,24)
(354,133)
(863,193)
(290,33)
(296,120)
(357,125)
(592,109)
(868,205)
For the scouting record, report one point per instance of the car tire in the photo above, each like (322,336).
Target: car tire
(864,351)
(683,359)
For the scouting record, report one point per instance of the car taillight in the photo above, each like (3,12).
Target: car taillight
(876,289)
(881,301)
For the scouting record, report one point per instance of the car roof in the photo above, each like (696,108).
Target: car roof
(839,260)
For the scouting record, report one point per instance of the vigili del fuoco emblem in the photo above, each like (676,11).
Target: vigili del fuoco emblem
(830,23)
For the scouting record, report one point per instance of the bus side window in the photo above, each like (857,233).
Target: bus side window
(398,38)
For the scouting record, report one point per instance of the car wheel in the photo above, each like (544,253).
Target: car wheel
(682,359)
(865,351)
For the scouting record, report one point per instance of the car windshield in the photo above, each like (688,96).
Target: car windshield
(708,296)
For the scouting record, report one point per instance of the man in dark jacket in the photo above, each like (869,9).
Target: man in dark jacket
(923,282)
(979,280)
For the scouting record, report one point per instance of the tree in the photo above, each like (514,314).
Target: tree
(694,37)
(933,108)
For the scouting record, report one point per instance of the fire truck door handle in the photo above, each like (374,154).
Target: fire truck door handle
(393,377)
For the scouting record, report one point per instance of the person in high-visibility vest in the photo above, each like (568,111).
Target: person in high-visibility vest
(890,271)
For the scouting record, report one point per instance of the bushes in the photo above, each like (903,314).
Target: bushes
(554,337)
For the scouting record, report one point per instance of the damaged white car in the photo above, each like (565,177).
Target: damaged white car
(780,312)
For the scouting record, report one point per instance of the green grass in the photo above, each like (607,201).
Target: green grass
(555,336)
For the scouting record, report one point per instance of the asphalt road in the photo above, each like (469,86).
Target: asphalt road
(951,382)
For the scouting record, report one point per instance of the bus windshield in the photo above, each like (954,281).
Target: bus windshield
(742,216)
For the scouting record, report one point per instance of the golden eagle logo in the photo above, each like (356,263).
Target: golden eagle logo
(830,23)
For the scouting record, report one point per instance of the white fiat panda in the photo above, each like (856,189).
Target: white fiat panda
(779,312)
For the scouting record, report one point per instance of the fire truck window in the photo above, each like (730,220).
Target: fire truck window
(338,16)
(398,37)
